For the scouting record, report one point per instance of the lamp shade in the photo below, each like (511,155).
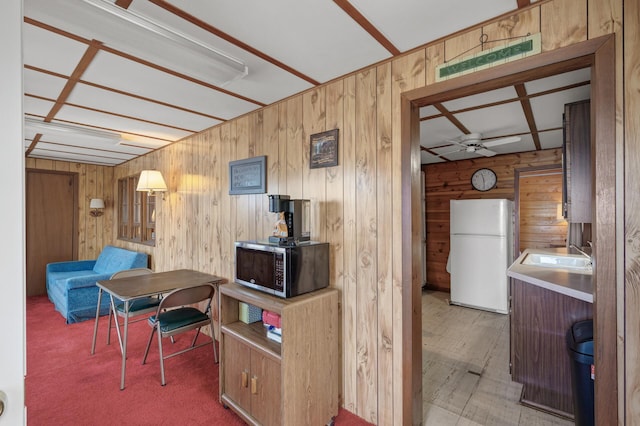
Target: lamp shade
(96,203)
(151,181)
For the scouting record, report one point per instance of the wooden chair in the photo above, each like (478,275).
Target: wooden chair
(173,316)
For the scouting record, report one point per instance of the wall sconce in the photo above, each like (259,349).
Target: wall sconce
(152,182)
(97,207)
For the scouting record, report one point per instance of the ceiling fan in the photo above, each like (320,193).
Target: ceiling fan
(473,143)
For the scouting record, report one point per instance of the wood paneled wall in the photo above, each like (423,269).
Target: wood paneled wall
(352,204)
(538,203)
(452,181)
(93,182)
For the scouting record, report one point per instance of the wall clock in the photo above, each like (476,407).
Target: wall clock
(484,179)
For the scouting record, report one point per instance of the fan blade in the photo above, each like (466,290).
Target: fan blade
(485,152)
(450,152)
(501,141)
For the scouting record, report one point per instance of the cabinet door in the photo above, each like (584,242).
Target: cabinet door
(578,161)
(265,389)
(237,372)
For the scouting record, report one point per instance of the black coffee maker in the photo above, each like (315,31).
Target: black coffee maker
(293,223)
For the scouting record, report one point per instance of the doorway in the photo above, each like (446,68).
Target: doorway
(539,222)
(51,223)
(599,54)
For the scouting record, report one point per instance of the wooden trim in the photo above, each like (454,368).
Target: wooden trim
(528,113)
(598,53)
(33,144)
(603,153)
(82,66)
(350,10)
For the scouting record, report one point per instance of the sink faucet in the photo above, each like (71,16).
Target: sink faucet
(582,252)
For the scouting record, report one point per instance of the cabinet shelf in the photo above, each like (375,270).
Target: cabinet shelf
(254,335)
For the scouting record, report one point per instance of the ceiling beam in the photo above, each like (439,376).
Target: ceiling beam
(33,144)
(445,112)
(367,26)
(528,113)
(85,61)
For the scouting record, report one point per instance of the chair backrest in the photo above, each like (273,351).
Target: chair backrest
(187,296)
(131,273)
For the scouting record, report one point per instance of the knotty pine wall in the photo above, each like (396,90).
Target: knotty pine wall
(452,181)
(93,182)
(198,221)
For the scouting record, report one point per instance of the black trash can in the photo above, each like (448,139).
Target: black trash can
(580,346)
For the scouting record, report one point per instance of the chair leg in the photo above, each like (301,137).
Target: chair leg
(146,351)
(161,358)
(117,324)
(193,343)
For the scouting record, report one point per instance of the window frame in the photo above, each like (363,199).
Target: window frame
(136,213)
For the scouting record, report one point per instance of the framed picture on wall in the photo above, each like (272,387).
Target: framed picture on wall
(324,149)
(248,176)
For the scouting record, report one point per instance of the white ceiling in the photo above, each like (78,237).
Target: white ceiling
(85,68)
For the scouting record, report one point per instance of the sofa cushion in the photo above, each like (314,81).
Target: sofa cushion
(55,276)
(113,259)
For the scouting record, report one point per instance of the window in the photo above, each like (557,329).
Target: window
(136,213)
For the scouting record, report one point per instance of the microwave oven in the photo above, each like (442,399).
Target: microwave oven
(284,271)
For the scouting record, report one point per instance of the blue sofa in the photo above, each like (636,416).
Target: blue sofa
(71,286)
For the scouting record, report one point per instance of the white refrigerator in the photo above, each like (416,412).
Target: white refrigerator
(481,250)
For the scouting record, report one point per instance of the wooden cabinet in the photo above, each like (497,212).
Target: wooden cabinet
(540,361)
(577,162)
(290,383)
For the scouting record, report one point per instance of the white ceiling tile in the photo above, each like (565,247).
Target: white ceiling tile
(548,109)
(551,139)
(50,51)
(408,24)
(484,98)
(498,120)
(35,106)
(91,151)
(120,124)
(93,97)
(558,80)
(74,157)
(428,111)
(314,37)
(131,77)
(437,131)
(41,84)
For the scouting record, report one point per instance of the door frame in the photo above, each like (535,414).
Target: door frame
(599,55)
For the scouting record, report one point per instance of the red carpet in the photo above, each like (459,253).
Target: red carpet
(66,385)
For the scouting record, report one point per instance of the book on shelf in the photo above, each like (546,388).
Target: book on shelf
(274,333)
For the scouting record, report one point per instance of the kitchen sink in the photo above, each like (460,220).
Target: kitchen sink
(568,262)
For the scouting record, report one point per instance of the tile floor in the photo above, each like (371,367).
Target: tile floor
(465,360)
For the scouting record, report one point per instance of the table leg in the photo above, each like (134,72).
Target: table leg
(95,326)
(124,342)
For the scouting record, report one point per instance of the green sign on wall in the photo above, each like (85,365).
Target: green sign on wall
(492,57)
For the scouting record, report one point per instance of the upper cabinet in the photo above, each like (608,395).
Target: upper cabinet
(577,162)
